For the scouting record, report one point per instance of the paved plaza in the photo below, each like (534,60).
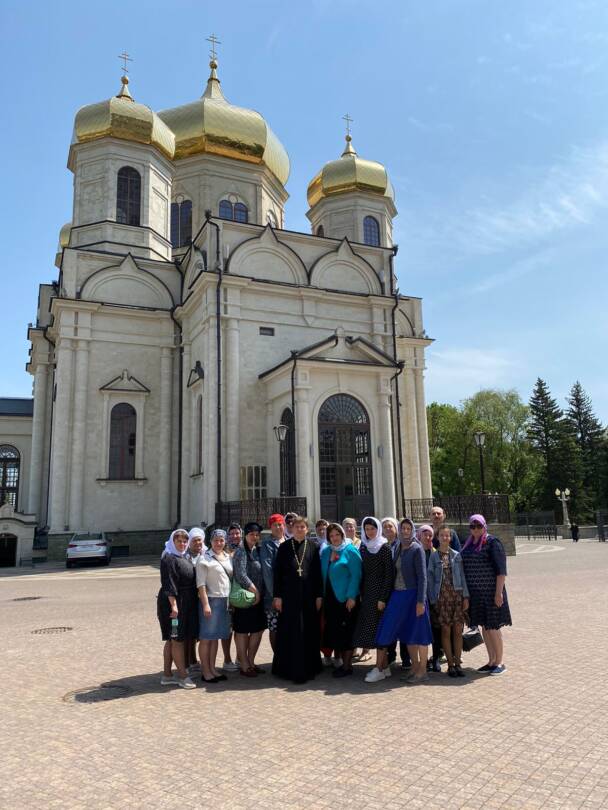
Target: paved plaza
(535,737)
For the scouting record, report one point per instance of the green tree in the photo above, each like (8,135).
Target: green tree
(589,437)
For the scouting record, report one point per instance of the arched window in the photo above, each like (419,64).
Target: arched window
(10,463)
(199,435)
(181,223)
(123,428)
(320,231)
(288,455)
(271,219)
(128,196)
(371,231)
(241,213)
(226,211)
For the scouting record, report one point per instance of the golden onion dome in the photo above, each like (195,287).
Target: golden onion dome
(349,173)
(121,117)
(211,125)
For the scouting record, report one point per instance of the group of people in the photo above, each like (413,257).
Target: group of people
(330,598)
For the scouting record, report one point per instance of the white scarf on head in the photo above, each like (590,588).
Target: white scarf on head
(373,546)
(170,545)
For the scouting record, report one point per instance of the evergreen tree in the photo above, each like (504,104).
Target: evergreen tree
(552,437)
(589,436)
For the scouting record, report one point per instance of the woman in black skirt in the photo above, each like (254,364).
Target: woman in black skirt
(177,601)
(341,568)
(249,623)
(485,571)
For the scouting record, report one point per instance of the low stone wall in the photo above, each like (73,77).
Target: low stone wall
(504,531)
(584,532)
(137,544)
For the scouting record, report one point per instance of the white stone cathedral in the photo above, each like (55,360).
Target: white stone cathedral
(187,323)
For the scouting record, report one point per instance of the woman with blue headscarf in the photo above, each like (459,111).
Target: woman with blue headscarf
(177,607)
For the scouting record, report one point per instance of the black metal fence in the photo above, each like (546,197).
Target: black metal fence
(602,525)
(536,525)
(243,512)
(459,508)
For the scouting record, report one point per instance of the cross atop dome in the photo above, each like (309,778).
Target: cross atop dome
(214,41)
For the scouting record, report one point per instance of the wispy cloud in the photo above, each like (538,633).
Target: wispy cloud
(455,373)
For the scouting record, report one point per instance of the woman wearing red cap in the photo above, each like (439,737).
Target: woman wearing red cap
(268,552)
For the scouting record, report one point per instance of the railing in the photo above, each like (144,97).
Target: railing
(459,508)
(536,525)
(243,512)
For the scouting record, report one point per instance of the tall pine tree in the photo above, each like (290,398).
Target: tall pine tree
(589,437)
(552,438)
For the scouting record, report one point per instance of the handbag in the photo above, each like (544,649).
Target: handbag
(471,639)
(240,597)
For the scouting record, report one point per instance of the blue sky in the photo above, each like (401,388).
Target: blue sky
(491,117)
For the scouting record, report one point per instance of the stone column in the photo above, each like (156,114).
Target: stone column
(38,439)
(210,478)
(232,400)
(61,436)
(386,479)
(164,439)
(411,458)
(304,438)
(186,437)
(79,433)
(423,436)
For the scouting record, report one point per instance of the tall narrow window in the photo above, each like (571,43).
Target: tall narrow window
(199,434)
(10,463)
(128,196)
(371,231)
(288,455)
(181,223)
(226,209)
(240,212)
(123,428)
(320,231)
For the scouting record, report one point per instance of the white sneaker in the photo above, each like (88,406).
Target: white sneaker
(375,675)
(327,662)
(186,683)
(230,666)
(336,662)
(387,672)
(168,680)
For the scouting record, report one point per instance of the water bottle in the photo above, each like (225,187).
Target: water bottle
(174,626)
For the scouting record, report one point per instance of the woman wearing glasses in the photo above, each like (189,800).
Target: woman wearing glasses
(485,570)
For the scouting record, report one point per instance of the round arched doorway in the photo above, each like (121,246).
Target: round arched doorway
(345,462)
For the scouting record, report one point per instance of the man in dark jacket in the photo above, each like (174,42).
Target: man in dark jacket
(437,519)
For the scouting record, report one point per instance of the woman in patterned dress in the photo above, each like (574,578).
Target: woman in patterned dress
(485,570)
(376,587)
(449,595)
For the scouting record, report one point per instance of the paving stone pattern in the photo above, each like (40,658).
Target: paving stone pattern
(533,738)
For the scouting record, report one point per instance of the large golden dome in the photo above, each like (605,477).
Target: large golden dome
(212,125)
(349,173)
(121,117)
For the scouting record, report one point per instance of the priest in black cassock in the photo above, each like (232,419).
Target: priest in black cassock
(298,592)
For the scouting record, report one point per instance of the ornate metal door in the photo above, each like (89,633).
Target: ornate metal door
(345,459)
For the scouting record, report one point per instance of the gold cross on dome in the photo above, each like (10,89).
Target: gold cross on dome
(349,121)
(125,58)
(214,41)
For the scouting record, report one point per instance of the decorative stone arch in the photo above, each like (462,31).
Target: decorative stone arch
(126,283)
(265,257)
(403,324)
(128,390)
(344,270)
(196,265)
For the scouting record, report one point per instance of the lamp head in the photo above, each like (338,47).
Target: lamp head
(280,431)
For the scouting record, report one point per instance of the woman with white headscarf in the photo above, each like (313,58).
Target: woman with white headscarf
(376,586)
(177,607)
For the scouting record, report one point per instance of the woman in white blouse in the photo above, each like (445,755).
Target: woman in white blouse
(213,580)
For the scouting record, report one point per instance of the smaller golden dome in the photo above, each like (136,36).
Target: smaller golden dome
(349,173)
(121,117)
(64,236)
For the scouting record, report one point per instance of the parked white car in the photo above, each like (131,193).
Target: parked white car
(92,546)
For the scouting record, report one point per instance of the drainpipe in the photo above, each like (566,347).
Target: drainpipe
(294,357)
(48,474)
(397,397)
(180,422)
(218,339)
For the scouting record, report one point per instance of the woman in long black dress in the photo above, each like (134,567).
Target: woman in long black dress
(298,592)
(376,587)
(177,600)
(485,570)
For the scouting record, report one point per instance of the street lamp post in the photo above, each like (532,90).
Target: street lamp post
(280,432)
(480,440)
(564,497)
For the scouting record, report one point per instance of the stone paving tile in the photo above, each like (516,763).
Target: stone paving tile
(533,738)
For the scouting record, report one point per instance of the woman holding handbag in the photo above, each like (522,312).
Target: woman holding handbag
(449,596)
(249,622)
(213,579)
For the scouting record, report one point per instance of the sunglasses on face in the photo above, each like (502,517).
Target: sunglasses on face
(475,526)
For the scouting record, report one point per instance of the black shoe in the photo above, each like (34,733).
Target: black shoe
(460,671)
(452,672)
(484,668)
(220,678)
(209,680)
(341,672)
(435,666)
